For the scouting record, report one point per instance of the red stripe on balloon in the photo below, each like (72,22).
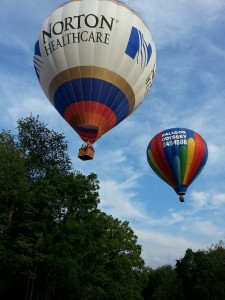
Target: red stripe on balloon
(160,158)
(90,114)
(87,106)
(197,158)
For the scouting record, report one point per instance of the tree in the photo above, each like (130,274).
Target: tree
(203,273)
(163,283)
(43,148)
(12,176)
(54,241)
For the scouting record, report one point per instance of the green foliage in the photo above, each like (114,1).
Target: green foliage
(54,241)
(203,273)
(13,181)
(43,148)
(164,283)
(198,275)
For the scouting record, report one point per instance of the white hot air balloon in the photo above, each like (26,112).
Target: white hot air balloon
(95,61)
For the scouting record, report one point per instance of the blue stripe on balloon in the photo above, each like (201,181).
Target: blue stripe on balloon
(36,70)
(149,51)
(87,130)
(137,45)
(86,89)
(133,43)
(177,168)
(189,133)
(169,153)
(37,50)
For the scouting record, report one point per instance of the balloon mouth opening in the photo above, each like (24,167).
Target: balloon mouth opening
(87,132)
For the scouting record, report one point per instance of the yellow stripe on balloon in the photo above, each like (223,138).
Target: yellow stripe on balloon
(190,155)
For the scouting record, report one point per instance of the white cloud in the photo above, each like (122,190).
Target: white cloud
(215,164)
(206,228)
(160,248)
(176,218)
(20,98)
(208,201)
(219,199)
(199,200)
(29,105)
(218,51)
(118,199)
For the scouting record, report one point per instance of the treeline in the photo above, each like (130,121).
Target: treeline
(56,244)
(199,275)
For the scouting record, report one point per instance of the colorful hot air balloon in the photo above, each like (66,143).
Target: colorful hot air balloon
(95,61)
(177,156)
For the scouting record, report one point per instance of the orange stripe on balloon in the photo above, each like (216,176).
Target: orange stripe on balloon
(90,114)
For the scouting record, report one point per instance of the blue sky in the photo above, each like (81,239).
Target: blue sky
(188,91)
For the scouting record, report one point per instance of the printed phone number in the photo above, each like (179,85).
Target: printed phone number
(175,142)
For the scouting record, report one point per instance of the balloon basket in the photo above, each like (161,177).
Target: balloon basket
(181,198)
(86,153)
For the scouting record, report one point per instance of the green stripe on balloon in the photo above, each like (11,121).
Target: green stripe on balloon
(183,160)
(177,168)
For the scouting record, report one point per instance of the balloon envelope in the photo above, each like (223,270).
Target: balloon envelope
(177,156)
(95,61)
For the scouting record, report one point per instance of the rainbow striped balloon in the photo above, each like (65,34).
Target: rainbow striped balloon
(95,61)
(177,156)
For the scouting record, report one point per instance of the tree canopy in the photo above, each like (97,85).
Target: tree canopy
(203,273)
(54,241)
